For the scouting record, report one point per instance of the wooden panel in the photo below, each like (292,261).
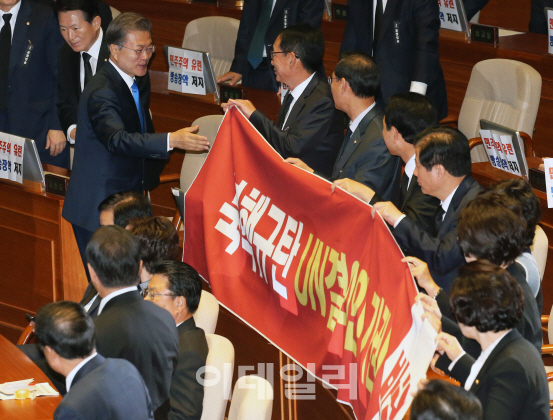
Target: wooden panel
(509,14)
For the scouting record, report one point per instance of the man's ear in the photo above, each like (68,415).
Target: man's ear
(96,22)
(440,171)
(113,50)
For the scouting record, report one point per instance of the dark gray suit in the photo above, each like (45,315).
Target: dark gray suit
(106,388)
(187,394)
(414,204)
(366,159)
(440,251)
(313,131)
(144,334)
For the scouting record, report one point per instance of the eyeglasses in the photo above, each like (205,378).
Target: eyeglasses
(152,296)
(272,53)
(150,50)
(330,79)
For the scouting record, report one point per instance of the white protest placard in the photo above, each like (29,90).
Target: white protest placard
(548,169)
(503,165)
(512,161)
(11,157)
(449,15)
(489,145)
(186,71)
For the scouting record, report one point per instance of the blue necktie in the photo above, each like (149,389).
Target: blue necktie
(136,97)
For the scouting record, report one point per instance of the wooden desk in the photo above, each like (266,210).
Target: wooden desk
(15,366)
(38,255)
(487,175)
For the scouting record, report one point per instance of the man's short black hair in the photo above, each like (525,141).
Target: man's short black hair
(114,254)
(127,205)
(183,280)
(446,146)
(158,239)
(66,328)
(124,24)
(487,297)
(306,43)
(489,230)
(410,113)
(522,193)
(88,7)
(361,73)
(440,400)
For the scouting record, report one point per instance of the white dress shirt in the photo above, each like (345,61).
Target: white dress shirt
(410,169)
(14,11)
(114,294)
(94,52)
(71,376)
(445,204)
(296,93)
(418,87)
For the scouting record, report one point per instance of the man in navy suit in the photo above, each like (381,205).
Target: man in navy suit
(115,133)
(96,387)
(30,43)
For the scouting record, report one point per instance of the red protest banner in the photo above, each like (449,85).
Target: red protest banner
(307,268)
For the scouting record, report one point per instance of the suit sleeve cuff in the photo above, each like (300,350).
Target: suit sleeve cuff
(69,130)
(418,87)
(400,218)
(169,148)
(452,364)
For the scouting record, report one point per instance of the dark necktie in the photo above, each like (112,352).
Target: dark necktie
(378,15)
(284,110)
(136,97)
(404,188)
(439,216)
(255,53)
(5,47)
(87,68)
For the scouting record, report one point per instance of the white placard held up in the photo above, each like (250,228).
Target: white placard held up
(503,165)
(11,157)
(186,72)
(449,15)
(548,169)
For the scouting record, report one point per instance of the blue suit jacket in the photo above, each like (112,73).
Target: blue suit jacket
(110,149)
(106,388)
(32,78)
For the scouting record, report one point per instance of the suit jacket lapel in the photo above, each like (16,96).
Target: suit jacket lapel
(509,337)
(19,39)
(410,190)
(279,5)
(75,64)
(298,106)
(103,56)
(456,200)
(355,139)
(388,16)
(127,101)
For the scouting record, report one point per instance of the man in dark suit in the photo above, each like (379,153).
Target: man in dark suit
(30,42)
(406,115)
(260,24)
(363,155)
(97,387)
(116,134)
(443,169)
(83,54)
(177,287)
(402,36)
(127,327)
(308,125)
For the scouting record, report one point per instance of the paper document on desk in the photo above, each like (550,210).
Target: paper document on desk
(8,389)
